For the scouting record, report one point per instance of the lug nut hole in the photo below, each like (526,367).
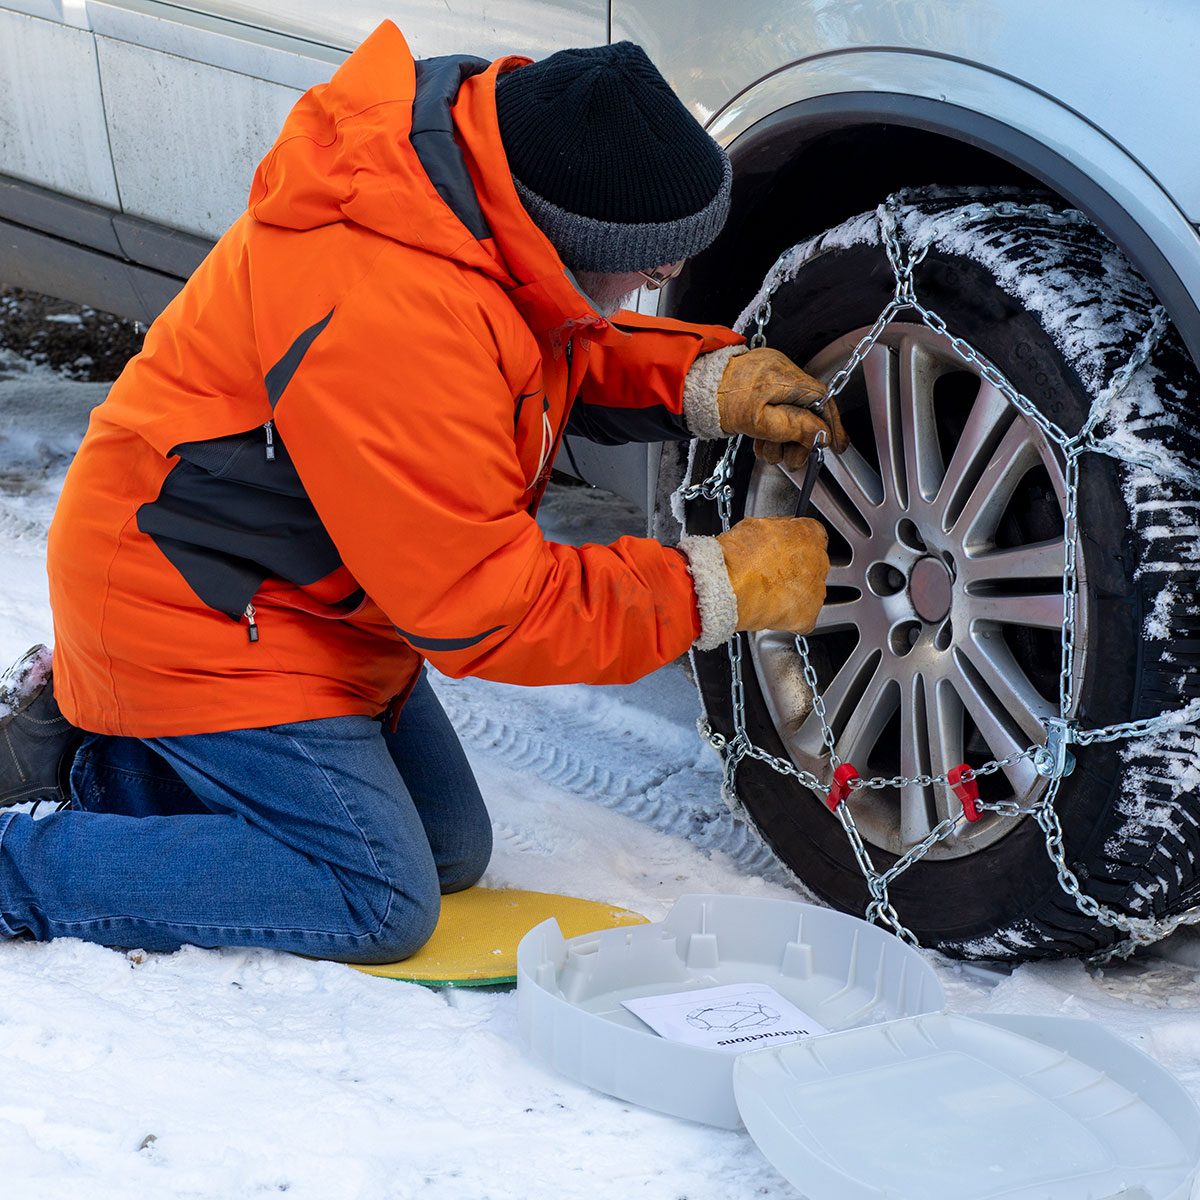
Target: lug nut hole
(884,579)
(904,637)
(910,536)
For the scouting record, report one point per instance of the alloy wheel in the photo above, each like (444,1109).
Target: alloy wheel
(939,641)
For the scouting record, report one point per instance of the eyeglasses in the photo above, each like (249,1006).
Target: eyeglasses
(658,278)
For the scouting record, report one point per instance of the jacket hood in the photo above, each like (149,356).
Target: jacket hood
(412,150)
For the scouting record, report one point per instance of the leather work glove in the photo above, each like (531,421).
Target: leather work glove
(764,573)
(777,568)
(764,395)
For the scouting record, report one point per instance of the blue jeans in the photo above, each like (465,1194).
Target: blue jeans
(332,838)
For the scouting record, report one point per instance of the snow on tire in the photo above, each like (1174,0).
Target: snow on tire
(940,638)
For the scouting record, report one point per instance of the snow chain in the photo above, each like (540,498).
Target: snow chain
(1053,759)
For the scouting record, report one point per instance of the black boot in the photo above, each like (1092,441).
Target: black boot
(37,743)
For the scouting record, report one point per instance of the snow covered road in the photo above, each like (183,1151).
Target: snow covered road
(229,1074)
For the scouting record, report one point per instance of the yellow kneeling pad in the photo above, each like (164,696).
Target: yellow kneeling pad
(475,942)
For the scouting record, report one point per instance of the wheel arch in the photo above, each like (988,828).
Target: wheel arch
(811,147)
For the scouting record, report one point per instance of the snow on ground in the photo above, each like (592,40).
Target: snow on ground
(229,1074)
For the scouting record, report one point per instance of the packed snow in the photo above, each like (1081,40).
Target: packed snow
(237,1073)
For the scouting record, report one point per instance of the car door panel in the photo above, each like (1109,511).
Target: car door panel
(186,136)
(52,129)
(195,98)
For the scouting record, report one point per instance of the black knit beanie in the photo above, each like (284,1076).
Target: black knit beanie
(608,162)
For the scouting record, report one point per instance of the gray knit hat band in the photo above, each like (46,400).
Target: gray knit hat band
(586,244)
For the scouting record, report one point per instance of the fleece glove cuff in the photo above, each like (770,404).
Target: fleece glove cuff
(715,597)
(700,409)
(764,573)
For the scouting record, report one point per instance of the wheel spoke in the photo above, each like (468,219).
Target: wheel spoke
(985,425)
(1041,611)
(991,657)
(842,614)
(857,478)
(916,815)
(1022,777)
(1038,561)
(944,717)
(923,465)
(774,641)
(995,733)
(868,718)
(882,379)
(844,575)
(931,743)
(1012,458)
(849,520)
(850,681)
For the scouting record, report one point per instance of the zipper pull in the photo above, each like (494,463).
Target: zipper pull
(269,427)
(252,631)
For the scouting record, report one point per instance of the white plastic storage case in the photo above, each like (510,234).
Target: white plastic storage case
(900,1101)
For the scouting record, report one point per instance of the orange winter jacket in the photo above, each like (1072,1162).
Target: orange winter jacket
(323,466)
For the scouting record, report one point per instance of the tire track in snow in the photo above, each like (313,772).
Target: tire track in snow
(592,745)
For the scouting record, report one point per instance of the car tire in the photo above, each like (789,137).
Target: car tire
(1043,295)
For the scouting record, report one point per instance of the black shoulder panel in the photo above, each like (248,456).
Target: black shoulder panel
(280,375)
(432,135)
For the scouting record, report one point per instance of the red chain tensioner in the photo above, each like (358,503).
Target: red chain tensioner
(844,779)
(967,790)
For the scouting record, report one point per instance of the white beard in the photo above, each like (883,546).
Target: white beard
(599,289)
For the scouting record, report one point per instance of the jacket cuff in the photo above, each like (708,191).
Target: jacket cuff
(700,409)
(715,597)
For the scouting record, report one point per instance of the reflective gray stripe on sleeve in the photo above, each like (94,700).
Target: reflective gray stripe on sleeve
(421,643)
(280,375)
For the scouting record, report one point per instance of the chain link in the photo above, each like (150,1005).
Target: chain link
(1052,758)
(880,782)
(762,319)
(1146,727)
(818,702)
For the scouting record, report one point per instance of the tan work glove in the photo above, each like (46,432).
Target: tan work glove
(764,395)
(764,573)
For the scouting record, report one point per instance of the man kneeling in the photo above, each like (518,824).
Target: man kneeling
(323,469)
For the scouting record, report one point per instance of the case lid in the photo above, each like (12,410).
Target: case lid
(946,1107)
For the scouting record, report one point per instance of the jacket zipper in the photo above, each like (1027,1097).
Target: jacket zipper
(252,624)
(269,429)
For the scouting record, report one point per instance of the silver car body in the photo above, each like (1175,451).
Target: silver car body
(139,123)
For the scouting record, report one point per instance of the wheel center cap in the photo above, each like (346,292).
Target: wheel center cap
(931,589)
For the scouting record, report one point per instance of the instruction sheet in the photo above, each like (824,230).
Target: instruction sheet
(733,1017)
